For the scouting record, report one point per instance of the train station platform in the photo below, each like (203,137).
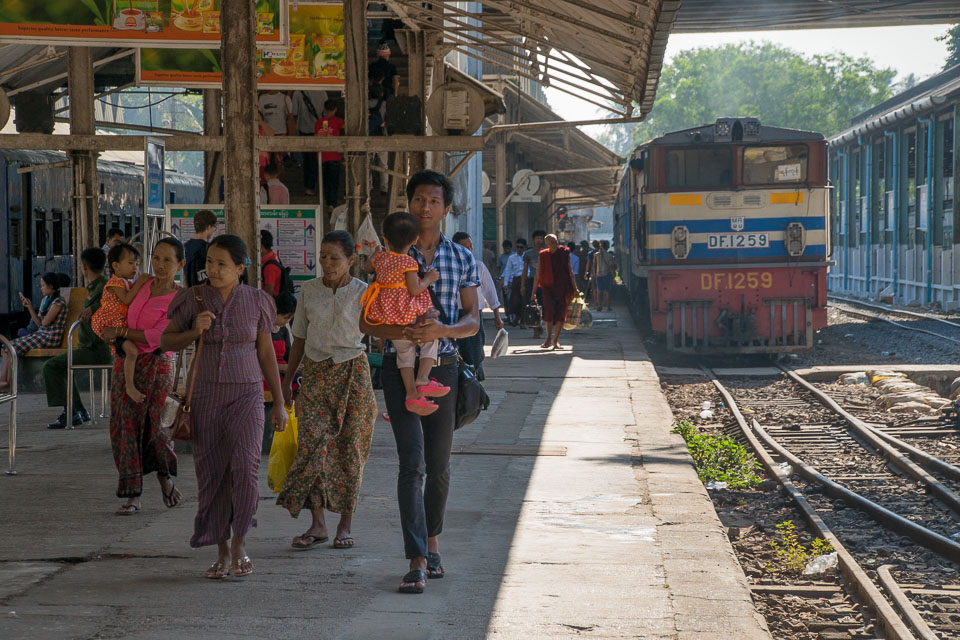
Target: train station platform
(573,513)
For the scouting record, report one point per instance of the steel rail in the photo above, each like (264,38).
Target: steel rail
(892,455)
(895,311)
(886,617)
(903,603)
(871,316)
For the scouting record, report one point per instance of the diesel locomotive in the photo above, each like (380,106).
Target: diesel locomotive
(721,233)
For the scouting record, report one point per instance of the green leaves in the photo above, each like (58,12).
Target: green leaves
(719,457)
(781,87)
(791,553)
(953,46)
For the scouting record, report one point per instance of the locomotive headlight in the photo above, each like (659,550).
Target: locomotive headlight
(795,239)
(680,246)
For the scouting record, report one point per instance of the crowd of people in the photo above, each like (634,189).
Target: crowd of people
(307,351)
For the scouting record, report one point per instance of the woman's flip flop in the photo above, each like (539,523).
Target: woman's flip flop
(304,544)
(434,566)
(344,542)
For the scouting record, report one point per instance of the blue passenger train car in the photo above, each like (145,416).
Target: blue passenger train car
(36,216)
(722,235)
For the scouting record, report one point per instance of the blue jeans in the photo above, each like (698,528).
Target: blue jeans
(423,446)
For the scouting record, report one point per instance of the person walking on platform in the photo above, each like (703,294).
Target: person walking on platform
(558,286)
(140,446)
(233,322)
(336,408)
(90,348)
(424,443)
(604,265)
(471,349)
(512,283)
(531,260)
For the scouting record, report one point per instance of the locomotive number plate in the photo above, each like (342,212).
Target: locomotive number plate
(738,280)
(738,241)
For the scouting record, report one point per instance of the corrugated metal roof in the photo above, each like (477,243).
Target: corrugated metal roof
(699,16)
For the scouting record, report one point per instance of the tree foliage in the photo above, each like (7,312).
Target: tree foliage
(779,86)
(953,46)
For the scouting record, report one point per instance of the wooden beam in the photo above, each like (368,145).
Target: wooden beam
(369,144)
(86,192)
(241,172)
(212,160)
(357,165)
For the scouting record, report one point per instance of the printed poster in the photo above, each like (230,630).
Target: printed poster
(159,23)
(296,233)
(313,59)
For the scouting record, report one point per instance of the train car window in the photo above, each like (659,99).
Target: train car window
(946,165)
(700,167)
(909,221)
(780,164)
(57,232)
(39,233)
(16,238)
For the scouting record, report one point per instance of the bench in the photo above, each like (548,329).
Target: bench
(31,363)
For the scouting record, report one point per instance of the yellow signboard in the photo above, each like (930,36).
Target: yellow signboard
(313,58)
(134,23)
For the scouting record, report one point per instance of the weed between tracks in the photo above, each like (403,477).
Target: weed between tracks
(791,553)
(719,457)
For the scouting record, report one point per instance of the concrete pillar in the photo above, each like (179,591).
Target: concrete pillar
(212,160)
(86,186)
(241,175)
(357,165)
(501,195)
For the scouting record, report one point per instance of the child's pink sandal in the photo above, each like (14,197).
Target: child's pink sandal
(420,406)
(433,390)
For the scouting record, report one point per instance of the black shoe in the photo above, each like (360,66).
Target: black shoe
(60,423)
(80,417)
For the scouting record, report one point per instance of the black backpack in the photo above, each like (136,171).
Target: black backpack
(286,282)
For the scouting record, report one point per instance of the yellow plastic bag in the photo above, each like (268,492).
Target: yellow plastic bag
(282,452)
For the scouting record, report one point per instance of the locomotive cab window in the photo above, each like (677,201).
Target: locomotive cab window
(700,167)
(780,164)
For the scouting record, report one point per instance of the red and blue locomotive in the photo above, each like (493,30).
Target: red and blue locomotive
(722,236)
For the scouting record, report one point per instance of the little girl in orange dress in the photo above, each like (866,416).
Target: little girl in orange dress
(118,293)
(398,297)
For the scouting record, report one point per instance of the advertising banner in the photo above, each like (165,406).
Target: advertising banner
(296,233)
(153,175)
(133,23)
(313,58)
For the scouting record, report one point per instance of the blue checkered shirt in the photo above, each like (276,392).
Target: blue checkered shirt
(458,269)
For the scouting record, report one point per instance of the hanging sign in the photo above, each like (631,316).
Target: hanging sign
(313,58)
(153,176)
(296,233)
(133,23)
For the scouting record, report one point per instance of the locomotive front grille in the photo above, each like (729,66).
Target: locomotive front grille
(696,326)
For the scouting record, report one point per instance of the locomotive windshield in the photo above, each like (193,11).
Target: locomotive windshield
(781,164)
(700,167)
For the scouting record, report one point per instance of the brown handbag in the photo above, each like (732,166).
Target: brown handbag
(181,429)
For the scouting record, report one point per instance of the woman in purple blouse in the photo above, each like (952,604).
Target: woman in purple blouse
(234,322)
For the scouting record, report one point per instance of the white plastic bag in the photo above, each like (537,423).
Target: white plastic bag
(500,344)
(367,238)
(821,564)
(339,218)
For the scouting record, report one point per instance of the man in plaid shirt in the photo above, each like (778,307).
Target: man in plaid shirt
(424,442)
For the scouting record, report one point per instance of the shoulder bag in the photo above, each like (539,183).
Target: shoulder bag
(181,429)
(472,398)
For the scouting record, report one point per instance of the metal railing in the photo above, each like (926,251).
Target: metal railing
(90,368)
(11,397)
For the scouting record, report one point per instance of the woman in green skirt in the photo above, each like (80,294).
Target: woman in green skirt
(336,408)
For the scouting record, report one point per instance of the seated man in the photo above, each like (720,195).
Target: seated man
(91,350)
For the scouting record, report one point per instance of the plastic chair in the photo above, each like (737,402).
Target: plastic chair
(90,368)
(11,397)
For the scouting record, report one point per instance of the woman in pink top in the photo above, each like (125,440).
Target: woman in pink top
(139,445)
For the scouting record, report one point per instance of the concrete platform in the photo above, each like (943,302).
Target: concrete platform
(573,513)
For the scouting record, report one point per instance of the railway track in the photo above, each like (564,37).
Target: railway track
(923,323)
(902,561)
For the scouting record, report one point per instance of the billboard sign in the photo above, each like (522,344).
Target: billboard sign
(313,58)
(133,23)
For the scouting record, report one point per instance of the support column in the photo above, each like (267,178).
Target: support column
(212,160)
(417,86)
(86,186)
(357,165)
(501,196)
(241,176)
